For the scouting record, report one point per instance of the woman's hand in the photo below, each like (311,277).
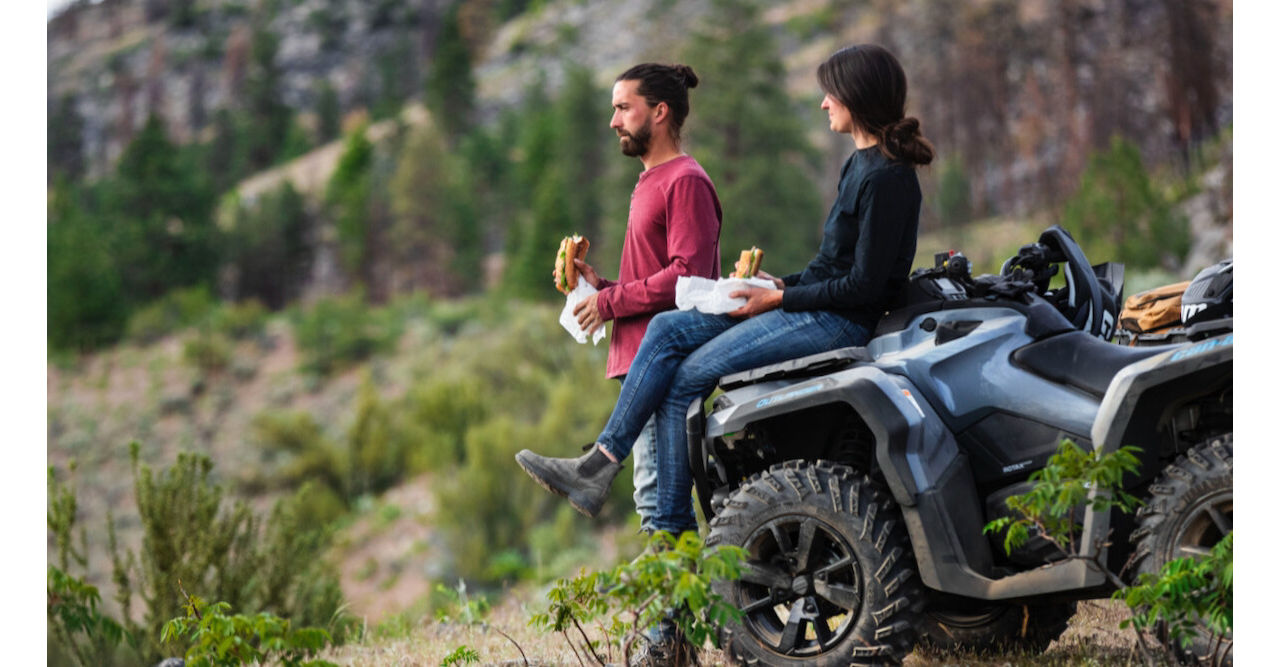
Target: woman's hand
(776,281)
(759,300)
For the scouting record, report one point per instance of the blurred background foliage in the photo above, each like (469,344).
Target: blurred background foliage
(313,239)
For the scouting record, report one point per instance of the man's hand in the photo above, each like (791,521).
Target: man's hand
(588,313)
(759,300)
(776,281)
(587,273)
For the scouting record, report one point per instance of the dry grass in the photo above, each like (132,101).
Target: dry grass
(1092,639)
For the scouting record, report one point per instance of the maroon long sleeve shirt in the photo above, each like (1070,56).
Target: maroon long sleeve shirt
(673,230)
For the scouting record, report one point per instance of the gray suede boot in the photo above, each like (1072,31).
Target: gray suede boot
(585,481)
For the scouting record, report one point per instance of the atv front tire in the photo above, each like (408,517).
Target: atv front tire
(983,627)
(830,577)
(1188,511)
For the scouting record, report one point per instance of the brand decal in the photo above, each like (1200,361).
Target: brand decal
(1189,310)
(795,393)
(1016,466)
(1200,348)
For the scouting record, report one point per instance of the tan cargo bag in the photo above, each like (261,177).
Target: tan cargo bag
(1154,310)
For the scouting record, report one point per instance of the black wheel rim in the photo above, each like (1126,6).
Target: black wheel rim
(801,587)
(1203,526)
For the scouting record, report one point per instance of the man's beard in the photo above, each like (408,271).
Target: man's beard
(636,145)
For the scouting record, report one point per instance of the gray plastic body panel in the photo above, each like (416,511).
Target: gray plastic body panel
(970,377)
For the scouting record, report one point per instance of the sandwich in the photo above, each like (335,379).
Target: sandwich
(566,273)
(748,263)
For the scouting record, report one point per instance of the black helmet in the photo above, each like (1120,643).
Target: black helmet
(1209,295)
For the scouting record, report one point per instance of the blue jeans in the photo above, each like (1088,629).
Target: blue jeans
(682,358)
(645,474)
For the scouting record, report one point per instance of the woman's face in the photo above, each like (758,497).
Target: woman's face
(839,115)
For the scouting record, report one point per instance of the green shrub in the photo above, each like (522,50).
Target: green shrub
(336,332)
(240,321)
(178,309)
(193,539)
(673,575)
(219,639)
(207,352)
(1187,592)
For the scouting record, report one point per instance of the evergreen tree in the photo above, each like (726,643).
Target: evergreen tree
(348,199)
(1119,213)
(450,86)
(424,225)
(584,120)
(268,248)
(329,113)
(227,157)
(747,134)
(269,116)
(86,306)
(162,208)
(65,141)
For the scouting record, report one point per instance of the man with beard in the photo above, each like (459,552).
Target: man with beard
(673,229)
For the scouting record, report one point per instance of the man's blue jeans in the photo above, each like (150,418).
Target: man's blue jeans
(645,474)
(682,358)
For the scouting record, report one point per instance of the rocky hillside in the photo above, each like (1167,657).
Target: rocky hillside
(1016,93)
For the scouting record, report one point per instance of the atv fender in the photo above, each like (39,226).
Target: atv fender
(1138,404)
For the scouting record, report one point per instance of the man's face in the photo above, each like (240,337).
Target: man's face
(632,119)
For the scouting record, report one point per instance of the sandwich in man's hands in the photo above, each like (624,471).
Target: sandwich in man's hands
(566,274)
(748,263)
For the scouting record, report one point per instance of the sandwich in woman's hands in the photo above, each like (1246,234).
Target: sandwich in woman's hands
(748,263)
(566,273)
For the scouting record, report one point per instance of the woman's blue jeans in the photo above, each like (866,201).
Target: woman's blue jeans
(682,358)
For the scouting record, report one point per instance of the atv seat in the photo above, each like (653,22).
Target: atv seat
(1081,360)
(814,364)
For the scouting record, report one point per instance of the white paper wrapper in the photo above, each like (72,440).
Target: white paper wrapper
(567,319)
(712,296)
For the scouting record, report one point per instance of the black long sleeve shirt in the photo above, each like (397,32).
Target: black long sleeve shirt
(868,242)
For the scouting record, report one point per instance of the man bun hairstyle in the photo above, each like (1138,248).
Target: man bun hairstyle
(871,83)
(664,83)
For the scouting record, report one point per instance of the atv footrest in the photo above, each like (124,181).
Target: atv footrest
(814,364)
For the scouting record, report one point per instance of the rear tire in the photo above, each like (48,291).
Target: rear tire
(984,627)
(829,578)
(1188,511)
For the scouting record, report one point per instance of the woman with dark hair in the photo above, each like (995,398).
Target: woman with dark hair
(868,243)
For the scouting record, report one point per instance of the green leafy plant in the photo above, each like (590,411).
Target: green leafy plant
(221,639)
(1072,479)
(74,620)
(671,578)
(463,655)
(83,632)
(1187,593)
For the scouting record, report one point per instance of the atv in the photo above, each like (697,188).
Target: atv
(859,481)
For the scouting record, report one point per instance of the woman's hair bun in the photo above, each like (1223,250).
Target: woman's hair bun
(904,141)
(686,72)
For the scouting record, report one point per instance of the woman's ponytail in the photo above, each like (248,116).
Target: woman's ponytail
(902,140)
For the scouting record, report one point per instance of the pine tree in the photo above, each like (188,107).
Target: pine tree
(450,86)
(269,116)
(162,206)
(65,139)
(348,199)
(746,133)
